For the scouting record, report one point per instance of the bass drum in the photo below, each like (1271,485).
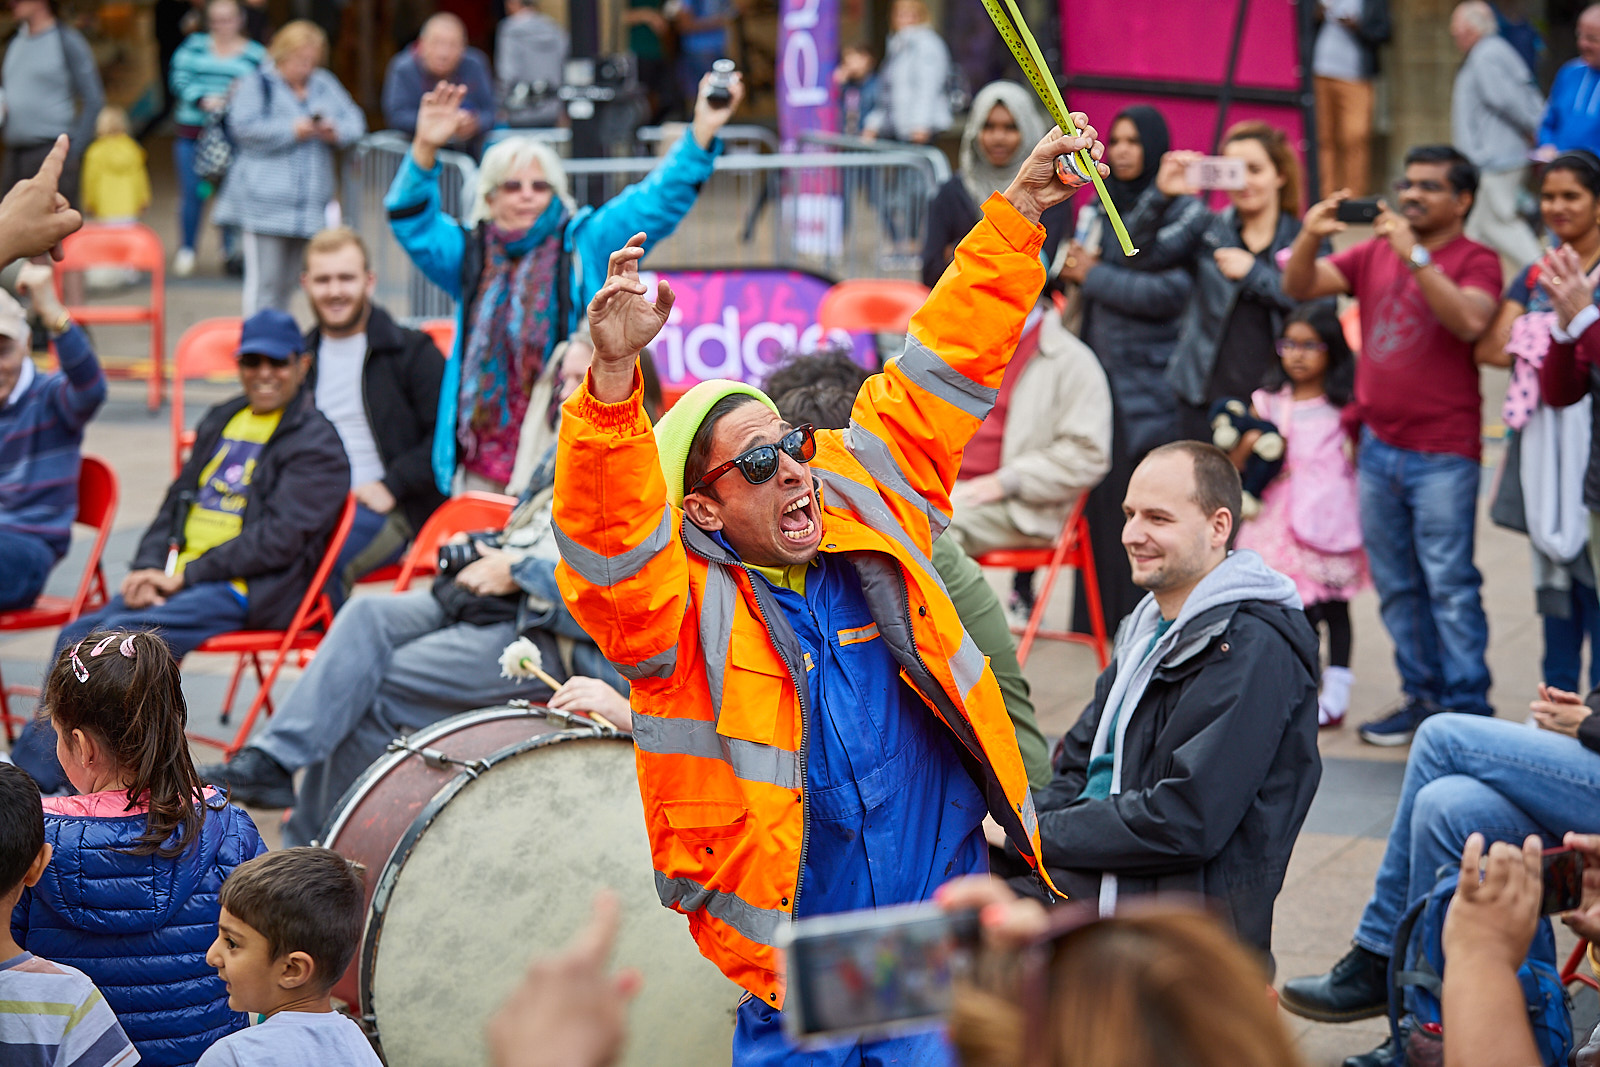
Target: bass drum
(485,837)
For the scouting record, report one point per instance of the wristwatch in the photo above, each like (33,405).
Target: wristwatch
(1421,258)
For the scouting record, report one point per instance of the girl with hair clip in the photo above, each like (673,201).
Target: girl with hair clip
(1309,527)
(131,896)
(1542,489)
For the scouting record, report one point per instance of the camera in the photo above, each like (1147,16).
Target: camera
(721,92)
(453,558)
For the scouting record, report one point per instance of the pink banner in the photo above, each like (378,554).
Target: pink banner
(740,323)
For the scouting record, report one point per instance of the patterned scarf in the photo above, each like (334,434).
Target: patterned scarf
(513,325)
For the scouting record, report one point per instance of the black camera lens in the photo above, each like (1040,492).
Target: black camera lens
(455,557)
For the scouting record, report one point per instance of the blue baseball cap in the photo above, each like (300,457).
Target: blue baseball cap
(273,333)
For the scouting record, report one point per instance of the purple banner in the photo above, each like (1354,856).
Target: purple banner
(739,323)
(808,51)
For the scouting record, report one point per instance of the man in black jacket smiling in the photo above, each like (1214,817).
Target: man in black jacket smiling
(378,383)
(253,507)
(1194,767)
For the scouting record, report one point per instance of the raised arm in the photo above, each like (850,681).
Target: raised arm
(623,571)
(912,421)
(434,241)
(1308,274)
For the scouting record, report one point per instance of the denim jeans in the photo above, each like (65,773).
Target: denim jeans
(1468,773)
(1419,521)
(190,205)
(1564,639)
(759,1041)
(28,561)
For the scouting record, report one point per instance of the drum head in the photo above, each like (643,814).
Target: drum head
(508,870)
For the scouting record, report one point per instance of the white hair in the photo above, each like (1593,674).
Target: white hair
(504,159)
(1480,16)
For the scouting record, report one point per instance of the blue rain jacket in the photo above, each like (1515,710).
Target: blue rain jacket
(139,926)
(437,244)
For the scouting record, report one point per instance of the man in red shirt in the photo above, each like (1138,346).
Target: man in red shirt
(1426,294)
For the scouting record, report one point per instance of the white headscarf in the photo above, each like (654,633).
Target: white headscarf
(979,175)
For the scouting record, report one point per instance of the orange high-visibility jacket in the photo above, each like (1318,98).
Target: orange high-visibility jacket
(718,717)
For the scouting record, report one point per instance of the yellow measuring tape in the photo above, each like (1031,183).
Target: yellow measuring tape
(1020,40)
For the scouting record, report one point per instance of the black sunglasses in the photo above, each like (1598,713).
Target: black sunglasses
(513,186)
(252,360)
(760,463)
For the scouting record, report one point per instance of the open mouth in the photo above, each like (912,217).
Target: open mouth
(798,521)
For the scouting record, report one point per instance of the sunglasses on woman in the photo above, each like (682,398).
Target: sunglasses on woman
(513,186)
(1288,347)
(760,463)
(252,360)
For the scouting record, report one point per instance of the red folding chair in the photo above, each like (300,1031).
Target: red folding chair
(134,245)
(443,332)
(303,636)
(1071,550)
(871,305)
(206,350)
(467,513)
(97,507)
(1571,973)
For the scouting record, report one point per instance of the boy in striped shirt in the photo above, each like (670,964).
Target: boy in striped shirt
(51,1015)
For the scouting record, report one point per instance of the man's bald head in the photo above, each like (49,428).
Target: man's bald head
(441,44)
(1589,35)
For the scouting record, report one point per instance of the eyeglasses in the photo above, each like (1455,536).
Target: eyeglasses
(513,186)
(1287,347)
(1429,186)
(760,463)
(252,360)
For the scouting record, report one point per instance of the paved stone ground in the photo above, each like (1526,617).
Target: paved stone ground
(1339,849)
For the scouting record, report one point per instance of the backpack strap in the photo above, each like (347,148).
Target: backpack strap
(1399,975)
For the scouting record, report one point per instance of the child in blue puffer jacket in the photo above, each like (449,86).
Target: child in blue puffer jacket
(131,897)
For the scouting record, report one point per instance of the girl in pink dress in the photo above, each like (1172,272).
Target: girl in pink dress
(1309,527)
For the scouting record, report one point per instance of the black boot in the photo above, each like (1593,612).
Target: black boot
(254,778)
(1385,1055)
(1357,987)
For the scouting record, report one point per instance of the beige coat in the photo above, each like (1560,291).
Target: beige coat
(1057,442)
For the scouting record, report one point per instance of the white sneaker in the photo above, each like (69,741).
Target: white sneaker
(183,262)
(1334,700)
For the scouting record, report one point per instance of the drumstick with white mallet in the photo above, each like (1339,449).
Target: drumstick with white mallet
(522,659)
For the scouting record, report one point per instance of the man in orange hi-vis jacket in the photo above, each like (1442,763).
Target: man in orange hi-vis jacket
(816,732)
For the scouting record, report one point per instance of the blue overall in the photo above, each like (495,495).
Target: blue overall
(893,814)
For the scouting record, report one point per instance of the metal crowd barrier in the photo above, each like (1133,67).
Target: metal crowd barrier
(739,139)
(369,169)
(846,214)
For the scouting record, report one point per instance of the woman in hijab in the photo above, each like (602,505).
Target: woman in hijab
(1131,312)
(1002,128)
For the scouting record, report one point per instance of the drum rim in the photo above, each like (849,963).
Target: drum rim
(383,887)
(380,767)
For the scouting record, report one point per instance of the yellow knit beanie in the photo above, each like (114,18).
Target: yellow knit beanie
(676,429)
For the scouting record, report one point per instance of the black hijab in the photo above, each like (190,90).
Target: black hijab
(1156,140)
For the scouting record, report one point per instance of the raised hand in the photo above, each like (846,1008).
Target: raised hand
(1571,289)
(1037,186)
(1323,218)
(622,321)
(1173,176)
(34,216)
(707,119)
(438,117)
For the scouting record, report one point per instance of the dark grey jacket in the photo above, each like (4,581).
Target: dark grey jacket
(1130,319)
(1200,332)
(1219,765)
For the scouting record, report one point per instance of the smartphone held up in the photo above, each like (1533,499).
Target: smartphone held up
(720,95)
(1215,172)
(1563,881)
(874,974)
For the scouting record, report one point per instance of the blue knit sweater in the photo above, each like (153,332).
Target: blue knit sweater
(139,925)
(41,438)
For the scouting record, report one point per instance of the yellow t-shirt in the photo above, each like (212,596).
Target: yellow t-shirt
(217,515)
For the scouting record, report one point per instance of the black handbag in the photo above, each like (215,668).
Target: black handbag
(461,604)
(1506,506)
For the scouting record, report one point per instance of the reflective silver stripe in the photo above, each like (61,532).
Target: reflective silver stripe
(756,924)
(966,666)
(871,509)
(927,370)
(879,461)
(660,665)
(1030,816)
(716,629)
(607,571)
(750,760)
